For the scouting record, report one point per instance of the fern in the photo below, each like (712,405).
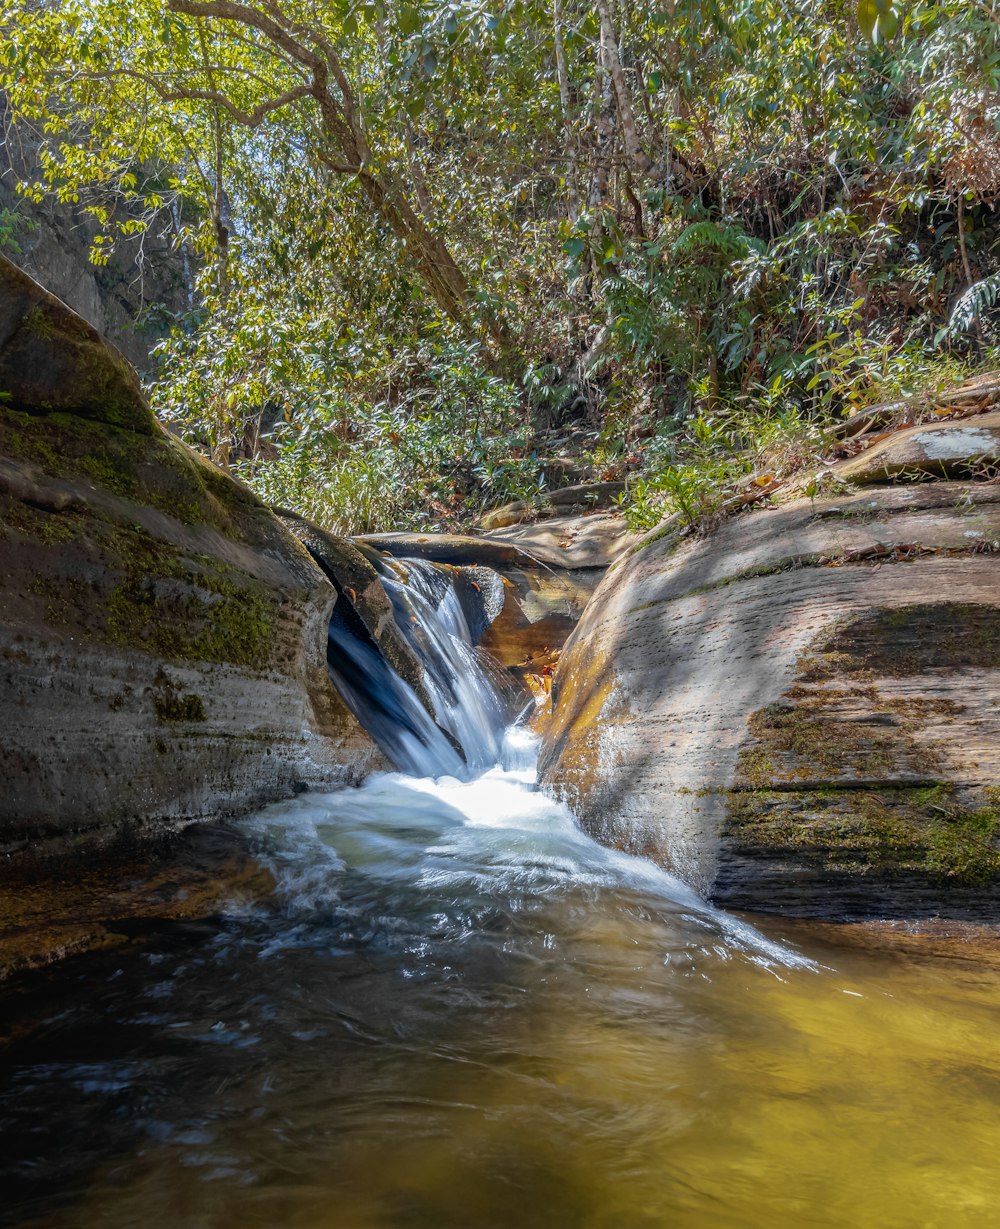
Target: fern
(728,241)
(980,297)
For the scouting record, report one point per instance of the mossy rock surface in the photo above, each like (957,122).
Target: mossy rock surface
(162,634)
(51,360)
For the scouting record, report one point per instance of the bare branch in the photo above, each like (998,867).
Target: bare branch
(248,119)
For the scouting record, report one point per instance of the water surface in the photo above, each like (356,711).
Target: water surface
(458,1011)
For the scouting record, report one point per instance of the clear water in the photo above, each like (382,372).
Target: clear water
(470,706)
(457,1011)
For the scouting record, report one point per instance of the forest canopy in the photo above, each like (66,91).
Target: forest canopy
(433,248)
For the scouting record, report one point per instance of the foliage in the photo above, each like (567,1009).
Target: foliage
(432,239)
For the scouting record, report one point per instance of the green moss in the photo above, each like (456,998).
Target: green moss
(965,844)
(904,640)
(814,740)
(203,615)
(754,766)
(174,707)
(49,528)
(38,321)
(928,831)
(154,471)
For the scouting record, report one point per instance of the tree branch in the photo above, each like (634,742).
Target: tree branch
(341,168)
(231,10)
(248,119)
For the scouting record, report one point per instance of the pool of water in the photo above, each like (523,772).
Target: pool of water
(458,1011)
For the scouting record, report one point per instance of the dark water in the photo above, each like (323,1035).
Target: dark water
(458,1011)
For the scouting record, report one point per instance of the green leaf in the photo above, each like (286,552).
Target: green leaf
(409,20)
(888,24)
(867,17)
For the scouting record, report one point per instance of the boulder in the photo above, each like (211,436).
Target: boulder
(364,605)
(580,499)
(571,542)
(51,360)
(961,449)
(162,634)
(800,712)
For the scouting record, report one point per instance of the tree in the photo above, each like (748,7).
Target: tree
(237,64)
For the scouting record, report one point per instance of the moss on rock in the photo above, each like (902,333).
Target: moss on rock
(936,831)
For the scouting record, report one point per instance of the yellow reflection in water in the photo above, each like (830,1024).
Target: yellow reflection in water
(624,1092)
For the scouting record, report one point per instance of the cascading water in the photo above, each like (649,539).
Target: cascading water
(465,732)
(465,797)
(456,1011)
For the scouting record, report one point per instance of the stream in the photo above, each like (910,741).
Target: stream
(457,1011)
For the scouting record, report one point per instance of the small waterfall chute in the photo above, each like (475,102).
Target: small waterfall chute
(457,727)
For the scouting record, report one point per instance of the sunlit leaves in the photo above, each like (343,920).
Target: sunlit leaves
(878,18)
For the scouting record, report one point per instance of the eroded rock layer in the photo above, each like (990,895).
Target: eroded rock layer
(162,635)
(800,711)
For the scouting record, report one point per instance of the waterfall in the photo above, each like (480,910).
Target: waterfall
(459,731)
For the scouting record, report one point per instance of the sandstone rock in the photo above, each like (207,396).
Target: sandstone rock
(593,541)
(547,586)
(162,634)
(800,712)
(951,449)
(973,397)
(580,499)
(51,360)
(364,604)
(53,910)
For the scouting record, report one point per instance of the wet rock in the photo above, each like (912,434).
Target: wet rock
(162,634)
(364,604)
(963,449)
(549,572)
(799,713)
(53,909)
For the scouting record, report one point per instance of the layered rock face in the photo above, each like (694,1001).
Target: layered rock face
(800,712)
(162,633)
(50,242)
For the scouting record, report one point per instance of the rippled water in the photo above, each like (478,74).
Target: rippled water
(457,1011)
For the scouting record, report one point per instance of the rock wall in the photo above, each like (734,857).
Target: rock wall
(50,242)
(801,711)
(162,634)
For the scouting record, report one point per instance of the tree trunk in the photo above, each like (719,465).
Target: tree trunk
(569,145)
(639,160)
(445,280)
(343,129)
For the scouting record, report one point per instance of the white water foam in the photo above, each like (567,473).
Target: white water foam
(426,843)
